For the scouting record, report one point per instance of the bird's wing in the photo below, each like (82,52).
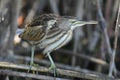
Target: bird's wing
(36,30)
(42,19)
(33,33)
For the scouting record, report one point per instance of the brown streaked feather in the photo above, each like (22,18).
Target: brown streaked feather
(33,32)
(42,19)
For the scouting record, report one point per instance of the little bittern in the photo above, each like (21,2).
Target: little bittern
(51,32)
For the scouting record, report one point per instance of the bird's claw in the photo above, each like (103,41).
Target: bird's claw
(54,69)
(33,65)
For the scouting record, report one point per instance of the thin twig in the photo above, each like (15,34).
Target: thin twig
(69,73)
(53,4)
(32,12)
(78,33)
(107,9)
(83,56)
(104,27)
(112,62)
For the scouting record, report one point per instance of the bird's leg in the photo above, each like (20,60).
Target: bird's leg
(52,66)
(32,57)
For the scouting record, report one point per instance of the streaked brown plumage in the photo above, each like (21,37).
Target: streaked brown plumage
(51,32)
(33,32)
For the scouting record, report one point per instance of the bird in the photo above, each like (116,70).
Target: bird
(50,32)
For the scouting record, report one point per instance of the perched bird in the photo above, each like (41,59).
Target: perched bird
(50,32)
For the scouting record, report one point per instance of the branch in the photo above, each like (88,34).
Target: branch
(71,53)
(26,75)
(78,33)
(53,4)
(26,59)
(104,27)
(112,62)
(109,49)
(45,62)
(32,11)
(62,72)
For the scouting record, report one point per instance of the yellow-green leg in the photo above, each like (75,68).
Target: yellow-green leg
(32,55)
(52,66)
(32,61)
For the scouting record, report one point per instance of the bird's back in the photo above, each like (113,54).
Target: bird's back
(36,30)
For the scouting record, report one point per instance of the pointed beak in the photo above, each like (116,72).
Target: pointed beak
(77,23)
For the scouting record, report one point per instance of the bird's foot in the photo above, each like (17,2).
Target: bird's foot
(33,65)
(53,68)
